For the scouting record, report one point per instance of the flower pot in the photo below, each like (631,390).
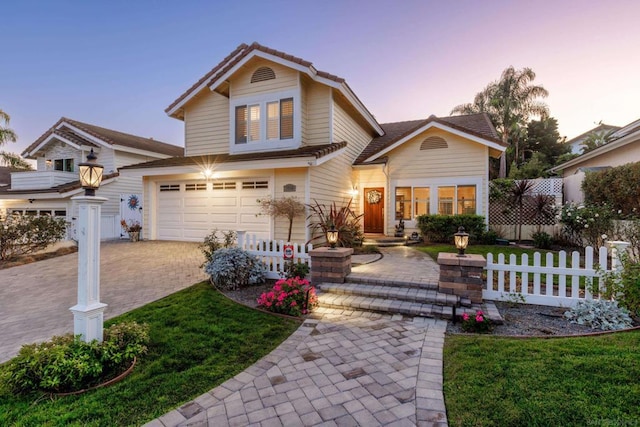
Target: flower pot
(134,236)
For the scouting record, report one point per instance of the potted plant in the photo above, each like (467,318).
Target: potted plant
(133,229)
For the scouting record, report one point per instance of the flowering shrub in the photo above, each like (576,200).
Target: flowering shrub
(130,227)
(293,297)
(231,268)
(24,234)
(586,223)
(477,323)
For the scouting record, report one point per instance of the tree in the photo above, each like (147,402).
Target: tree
(597,139)
(542,148)
(510,102)
(519,192)
(8,135)
(287,207)
(14,161)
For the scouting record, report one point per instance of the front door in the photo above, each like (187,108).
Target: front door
(374,210)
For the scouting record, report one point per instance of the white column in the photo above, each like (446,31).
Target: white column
(88,313)
(618,248)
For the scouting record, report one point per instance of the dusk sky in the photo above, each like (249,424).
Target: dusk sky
(119,64)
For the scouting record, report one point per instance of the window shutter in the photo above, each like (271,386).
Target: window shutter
(286,118)
(241,124)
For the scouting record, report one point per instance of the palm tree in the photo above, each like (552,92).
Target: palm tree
(6,134)
(12,160)
(510,103)
(597,139)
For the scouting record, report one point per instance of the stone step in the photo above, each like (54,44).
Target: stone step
(411,294)
(355,278)
(384,305)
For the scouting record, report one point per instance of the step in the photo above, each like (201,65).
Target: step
(384,305)
(411,294)
(354,278)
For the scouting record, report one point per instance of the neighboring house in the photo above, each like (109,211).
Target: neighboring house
(623,148)
(577,142)
(263,123)
(48,189)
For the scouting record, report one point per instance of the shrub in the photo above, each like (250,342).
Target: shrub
(586,224)
(295,269)
(599,314)
(343,218)
(441,228)
(542,240)
(232,268)
(476,323)
(24,234)
(213,242)
(292,297)
(67,363)
(489,237)
(616,187)
(623,285)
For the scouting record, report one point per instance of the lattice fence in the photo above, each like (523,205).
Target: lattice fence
(502,214)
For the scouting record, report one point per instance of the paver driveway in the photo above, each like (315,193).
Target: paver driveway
(35,298)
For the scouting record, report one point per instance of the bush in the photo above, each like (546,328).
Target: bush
(441,228)
(295,269)
(616,187)
(624,286)
(489,237)
(542,240)
(24,234)
(477,323)
(213,242)
(232,268)
(586,224)
(68,364)
(599,314)
(292,297)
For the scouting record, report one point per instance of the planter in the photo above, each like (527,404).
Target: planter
(134,236)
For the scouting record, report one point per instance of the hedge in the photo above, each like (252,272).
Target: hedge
(617,187)
(441,228)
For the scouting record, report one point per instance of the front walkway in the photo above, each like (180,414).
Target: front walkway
(35,298)
(399,263)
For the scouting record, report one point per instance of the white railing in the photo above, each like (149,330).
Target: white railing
(547,283)
(271,252)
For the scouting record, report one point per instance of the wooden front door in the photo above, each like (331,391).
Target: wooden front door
(374,210)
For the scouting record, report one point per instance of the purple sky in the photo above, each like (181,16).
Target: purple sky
(119,64)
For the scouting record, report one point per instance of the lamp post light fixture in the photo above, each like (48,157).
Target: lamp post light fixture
(88,319)
(461,240)
(332,236)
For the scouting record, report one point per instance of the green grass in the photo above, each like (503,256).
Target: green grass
(199,339)
(433,250)
(490,381)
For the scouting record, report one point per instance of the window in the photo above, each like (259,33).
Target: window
(170,187)
(65,165)
(421,200)
(254,184)
(466,199)
(403,203)
(451,200)
(445,200)
(196,187)
(230,185)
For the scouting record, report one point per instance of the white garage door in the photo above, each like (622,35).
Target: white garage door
(189,210)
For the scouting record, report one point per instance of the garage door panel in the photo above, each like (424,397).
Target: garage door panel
(170,218)
(191,217)
(225,201)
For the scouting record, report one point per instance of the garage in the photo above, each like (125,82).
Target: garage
(189,210)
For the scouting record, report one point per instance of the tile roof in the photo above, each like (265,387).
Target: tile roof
(475,124)
(109,136)
(236,56)
(317,151)
(62,188)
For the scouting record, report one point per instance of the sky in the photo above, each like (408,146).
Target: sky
(119,64)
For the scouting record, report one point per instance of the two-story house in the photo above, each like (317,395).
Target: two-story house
(48,189)
(263,123)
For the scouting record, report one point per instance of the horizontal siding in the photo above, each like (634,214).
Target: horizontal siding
(206,123)
(126,159)
(346,128)
(112,191)
(296,177)
(286,79)
(618,157)
(318,114)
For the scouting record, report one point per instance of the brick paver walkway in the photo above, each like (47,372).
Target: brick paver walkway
(35,298)
(399,263)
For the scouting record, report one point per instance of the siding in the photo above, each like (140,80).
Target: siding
(60,150)
(286,79)
(318,114)
(346,128)
(126,159)
(628,153)
(206,123)
(296,177)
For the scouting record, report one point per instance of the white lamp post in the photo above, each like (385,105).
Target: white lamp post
(88,312)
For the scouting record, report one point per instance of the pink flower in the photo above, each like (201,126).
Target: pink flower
(479,313)
(479,318)
(465,316)
(293,303)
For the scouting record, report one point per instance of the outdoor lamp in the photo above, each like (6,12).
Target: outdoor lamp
(90,174)
(332,236)
(461,240)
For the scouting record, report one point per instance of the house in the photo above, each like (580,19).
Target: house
(602,130)
(5,176)
(263,123)
(623,148)
(48,189)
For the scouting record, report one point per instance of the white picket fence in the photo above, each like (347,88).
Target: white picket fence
(546,283)
(270,252)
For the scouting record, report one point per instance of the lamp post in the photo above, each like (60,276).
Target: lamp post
(88,312)
(332,236)
(461,239)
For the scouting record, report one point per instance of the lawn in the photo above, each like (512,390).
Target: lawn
(493,381)
(433,250)
(199,339)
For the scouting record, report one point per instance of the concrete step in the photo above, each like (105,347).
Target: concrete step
(354,278)
(384,305)
(411,294)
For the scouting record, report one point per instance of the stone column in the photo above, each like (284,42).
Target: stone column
(461,275)
(330,265)
(88,313)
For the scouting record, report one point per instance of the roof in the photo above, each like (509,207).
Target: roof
(314,151)
(243,51)
(475,124)
(600,128)
(60,189)
(69,129)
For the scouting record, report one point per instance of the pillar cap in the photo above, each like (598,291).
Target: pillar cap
(331,253)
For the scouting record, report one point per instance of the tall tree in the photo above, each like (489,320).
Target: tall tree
(6,134)
(510,102)
(14,161)
(597,139)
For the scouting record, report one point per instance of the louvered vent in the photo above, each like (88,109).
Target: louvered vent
(433,142)
(262,74)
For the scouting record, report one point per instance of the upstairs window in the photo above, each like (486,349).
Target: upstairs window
(65,165)
(271,120)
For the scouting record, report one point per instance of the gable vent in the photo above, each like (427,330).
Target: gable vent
(433,142)
(262,74)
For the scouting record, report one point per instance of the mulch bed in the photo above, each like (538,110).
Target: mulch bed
(27,259)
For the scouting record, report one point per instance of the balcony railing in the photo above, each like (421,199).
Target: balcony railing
(34,180)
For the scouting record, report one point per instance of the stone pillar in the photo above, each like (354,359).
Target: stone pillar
(330,265)
(88,313)
(461,276)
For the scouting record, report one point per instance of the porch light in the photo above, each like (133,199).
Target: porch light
(332,236)
(461,240)
(90,174)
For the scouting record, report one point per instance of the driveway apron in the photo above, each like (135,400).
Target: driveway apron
(35,298)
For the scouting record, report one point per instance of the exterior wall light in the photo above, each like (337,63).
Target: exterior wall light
(90,174)
(461,240)
(332,236)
